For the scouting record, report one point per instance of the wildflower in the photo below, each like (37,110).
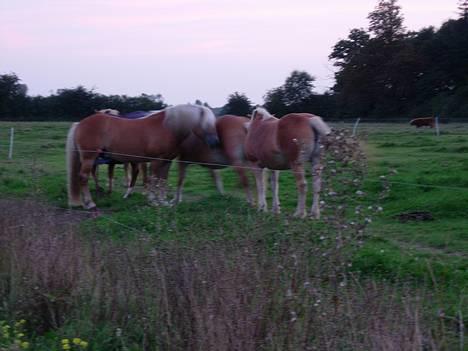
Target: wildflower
(65,341)
(66,347)
(83,344)
(76,341)
(24,345)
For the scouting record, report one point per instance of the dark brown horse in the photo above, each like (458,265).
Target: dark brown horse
(423,122)
(286,143)
(159,136)
(231,131)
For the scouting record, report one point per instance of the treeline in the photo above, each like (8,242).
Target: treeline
(386,71)
(382,72)
(65,104)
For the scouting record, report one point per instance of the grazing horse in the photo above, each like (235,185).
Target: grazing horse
(231,131)
(111,164)
(423,121)
(159,136)
(286,143)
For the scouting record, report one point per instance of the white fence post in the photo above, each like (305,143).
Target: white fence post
(355,126)
(10,152)
(437,125)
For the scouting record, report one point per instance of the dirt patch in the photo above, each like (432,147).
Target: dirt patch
(24,212)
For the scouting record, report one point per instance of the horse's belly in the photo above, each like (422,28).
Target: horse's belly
(275,161)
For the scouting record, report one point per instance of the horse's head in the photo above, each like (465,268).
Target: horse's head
(205,129)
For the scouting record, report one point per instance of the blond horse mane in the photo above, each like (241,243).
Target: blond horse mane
(109,111)
(263,112)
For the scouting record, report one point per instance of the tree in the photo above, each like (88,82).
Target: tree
(238,104)
(297,88)
(274,101)
(13,99)
(75,102)
(293,96)
(348,49)
(386,21)
(463,9)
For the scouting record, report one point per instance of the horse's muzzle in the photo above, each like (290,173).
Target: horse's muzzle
(212,140)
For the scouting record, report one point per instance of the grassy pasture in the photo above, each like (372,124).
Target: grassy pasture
(431,175)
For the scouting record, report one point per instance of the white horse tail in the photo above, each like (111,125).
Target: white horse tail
(73,169)
(319,125)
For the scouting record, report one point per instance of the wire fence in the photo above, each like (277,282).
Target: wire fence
(31,161)
(30,150)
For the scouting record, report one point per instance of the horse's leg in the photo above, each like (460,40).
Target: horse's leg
(133,179)
(110,176)
(218,180)
(160,169)
(128,177)
(301,184)
(317,184)
(87,163)
(259,174)
(95,174)
(180,181)
(245,182)
(144,172)
(275,189)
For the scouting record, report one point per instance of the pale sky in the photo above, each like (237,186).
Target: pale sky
(184,49)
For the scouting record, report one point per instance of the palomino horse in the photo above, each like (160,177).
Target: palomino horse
(286,143)
(111,164)
(231,131)
(159,136)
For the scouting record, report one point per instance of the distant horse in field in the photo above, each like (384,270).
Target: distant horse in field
(111,164)
(159,136)
(286,143)
(423,122)
(231,131)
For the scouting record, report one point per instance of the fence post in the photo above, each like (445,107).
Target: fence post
(437,125)
(355,126)
(10,152)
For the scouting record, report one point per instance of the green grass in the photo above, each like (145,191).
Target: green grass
(431,175)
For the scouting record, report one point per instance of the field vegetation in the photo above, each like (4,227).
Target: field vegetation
(384,269)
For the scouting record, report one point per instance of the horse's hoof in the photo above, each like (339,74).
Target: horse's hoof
(314,215)
(95,213)
(90,206)
(276,211)
(299,214)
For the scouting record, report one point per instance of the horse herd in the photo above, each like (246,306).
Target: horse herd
(193,134)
